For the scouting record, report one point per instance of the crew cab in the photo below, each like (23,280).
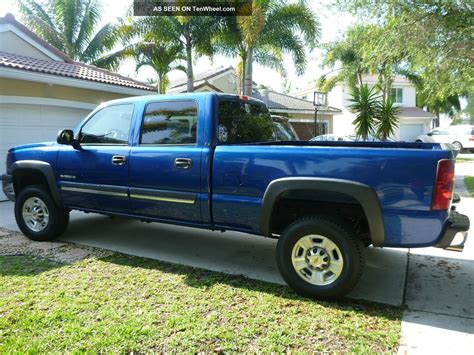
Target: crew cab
(212,161)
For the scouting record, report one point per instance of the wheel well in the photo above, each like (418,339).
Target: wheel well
(293,205)
(27,177)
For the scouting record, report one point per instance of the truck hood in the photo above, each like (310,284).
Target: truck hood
(31,145)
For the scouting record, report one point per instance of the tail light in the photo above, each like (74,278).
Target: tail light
(472,138)
(444,185)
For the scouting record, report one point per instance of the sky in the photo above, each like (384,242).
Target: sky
(332,25)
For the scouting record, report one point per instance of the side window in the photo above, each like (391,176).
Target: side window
(170,122)
(111,125)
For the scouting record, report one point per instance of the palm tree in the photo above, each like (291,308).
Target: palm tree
(193,33)
(71,27)
(162,57)
(274,28)
(348,54)
(386,118)
(365,106)
(228,41)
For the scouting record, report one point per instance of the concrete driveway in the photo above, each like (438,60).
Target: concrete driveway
(435,286)
(230,252)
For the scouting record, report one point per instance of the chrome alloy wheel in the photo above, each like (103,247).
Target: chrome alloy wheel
(317,260)
(35,214)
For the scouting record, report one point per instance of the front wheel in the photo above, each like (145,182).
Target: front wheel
(320,257)
(38,216)
(458,146)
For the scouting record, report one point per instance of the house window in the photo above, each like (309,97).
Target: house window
(397,95)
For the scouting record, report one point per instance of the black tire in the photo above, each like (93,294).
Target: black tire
(418,141)
(58,218)
(350,247)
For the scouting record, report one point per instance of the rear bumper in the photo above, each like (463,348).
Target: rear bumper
(7,185)
(457,223)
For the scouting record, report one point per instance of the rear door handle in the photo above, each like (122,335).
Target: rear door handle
(183,163)
(119,160)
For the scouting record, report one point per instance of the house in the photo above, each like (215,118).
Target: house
(299,112)
(42,90)
(222,79)
(413,120)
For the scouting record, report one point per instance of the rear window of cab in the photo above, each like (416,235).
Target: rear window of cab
(242,121)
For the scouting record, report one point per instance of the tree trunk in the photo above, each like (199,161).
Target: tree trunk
(161,84)
(242,74)
(189,66)
(248,73)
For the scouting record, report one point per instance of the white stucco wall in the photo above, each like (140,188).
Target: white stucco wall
(11,43)
(226,83)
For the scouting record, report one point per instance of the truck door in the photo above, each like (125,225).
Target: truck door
(165,166)
(96,176)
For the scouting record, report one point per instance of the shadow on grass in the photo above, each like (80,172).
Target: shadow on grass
(30,266)
(25,265)
(203,279)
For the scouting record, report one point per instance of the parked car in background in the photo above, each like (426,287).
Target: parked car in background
(350,138)
(461,136)
(284,131)
(354,138)
(330,138)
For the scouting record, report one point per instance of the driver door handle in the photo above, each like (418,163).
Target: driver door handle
(183,163)
(119,160)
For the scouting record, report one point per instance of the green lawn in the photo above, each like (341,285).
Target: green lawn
(469,182)
(125,304)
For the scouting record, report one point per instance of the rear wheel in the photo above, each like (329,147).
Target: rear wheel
(320,257)
(38,216)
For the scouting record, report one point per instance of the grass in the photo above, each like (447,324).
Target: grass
(462,160)
(124,304)
(469,182)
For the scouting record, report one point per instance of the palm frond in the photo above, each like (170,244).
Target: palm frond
(364,105)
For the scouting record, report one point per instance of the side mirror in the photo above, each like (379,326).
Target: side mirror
(66,136)
(429,134)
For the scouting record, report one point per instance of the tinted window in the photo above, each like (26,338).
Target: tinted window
(111,125)
(172,122)
(242,121)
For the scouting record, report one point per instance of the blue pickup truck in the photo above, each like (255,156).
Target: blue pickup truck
(212,161)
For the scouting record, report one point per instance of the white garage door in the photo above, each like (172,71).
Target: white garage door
(21,124)
(409,132)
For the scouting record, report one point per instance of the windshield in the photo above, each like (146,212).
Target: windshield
(243,122)
(284,131)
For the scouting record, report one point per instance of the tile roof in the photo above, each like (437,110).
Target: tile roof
(278,101)
(71,70)
(415,112)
